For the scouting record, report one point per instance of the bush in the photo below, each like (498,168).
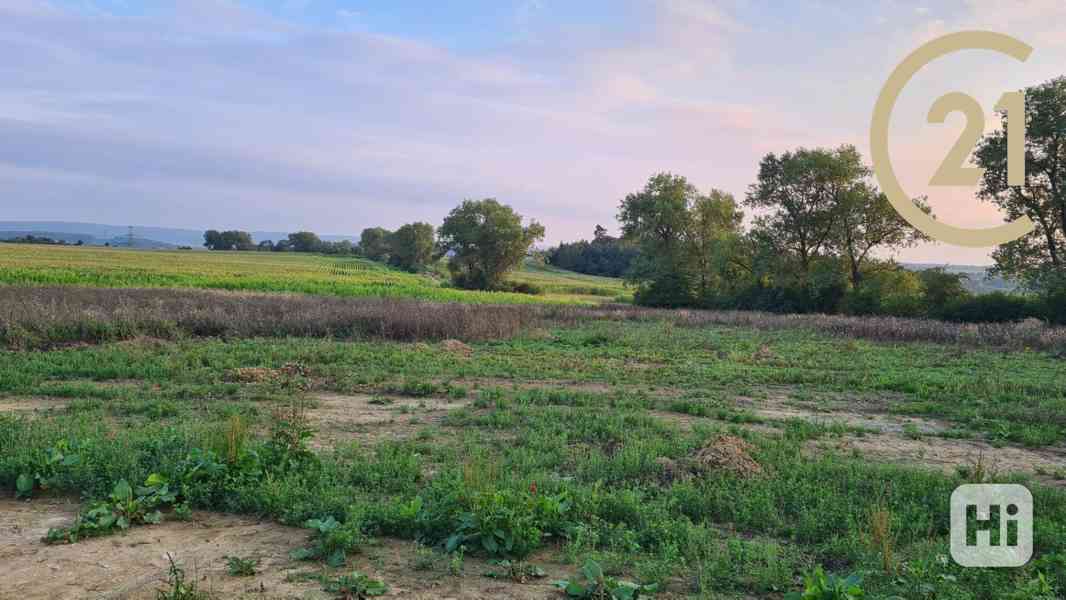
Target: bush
(668,291)
(520,287)
(996,307)
(1054,300)
(941,288)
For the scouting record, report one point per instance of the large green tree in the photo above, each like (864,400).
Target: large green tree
(228,240)
(800,193)
(865,221)
(820,203)
(711,241)
(1039,258)
(485,240)
(305,241)
(374,243)
(411,247)
(685,240)
(655,219)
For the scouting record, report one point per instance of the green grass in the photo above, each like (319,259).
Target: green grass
(577,415)
(270,272)
(555,281)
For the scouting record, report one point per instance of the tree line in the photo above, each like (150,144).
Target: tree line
(820,227)
(605,255)
(482,239)
(815,244)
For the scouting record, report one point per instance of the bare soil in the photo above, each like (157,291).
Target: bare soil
(869,413)
(368,419)
(592,387)
(20,404)
(892,438)
(1049,464)
(134,565)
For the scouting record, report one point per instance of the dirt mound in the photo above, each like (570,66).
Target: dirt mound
(763,354)
(727,453)
(457,347)
(724,453)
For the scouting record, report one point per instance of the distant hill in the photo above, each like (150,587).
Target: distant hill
(978,280)
(70,238)
(152,237)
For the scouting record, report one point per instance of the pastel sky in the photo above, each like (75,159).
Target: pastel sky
(336,115)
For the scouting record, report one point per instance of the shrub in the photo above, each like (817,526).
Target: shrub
(520,287)
(506,523)
(996,307)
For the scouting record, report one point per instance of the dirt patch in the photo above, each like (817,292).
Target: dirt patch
(392,562)
(892,446)
(948,455)
(588,387)
(370,419)
(870,413)
(31,404)
(132,566)
(457,347)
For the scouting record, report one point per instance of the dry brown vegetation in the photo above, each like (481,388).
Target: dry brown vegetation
(35,317)
(42,317)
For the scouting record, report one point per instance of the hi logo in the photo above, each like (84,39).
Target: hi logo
(991,525)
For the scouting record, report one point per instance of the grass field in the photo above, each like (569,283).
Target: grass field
(274,272)
(711,457)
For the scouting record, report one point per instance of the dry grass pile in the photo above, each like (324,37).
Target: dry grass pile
(264,374)
(727,453)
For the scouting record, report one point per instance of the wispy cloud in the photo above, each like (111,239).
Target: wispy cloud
(214,113)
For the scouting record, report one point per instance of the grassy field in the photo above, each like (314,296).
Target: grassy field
(274,272)
(286,441)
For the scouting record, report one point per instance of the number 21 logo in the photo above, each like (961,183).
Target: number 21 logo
(951,171)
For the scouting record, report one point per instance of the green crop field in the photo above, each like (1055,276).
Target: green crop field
(275,272)
(481,451)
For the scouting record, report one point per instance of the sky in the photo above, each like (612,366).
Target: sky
(334,115)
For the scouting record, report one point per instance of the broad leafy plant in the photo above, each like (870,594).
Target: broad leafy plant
(508,524)
(333,542)
(355,586)
(820,586)
(122,509)
(596,585)
(61,456)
